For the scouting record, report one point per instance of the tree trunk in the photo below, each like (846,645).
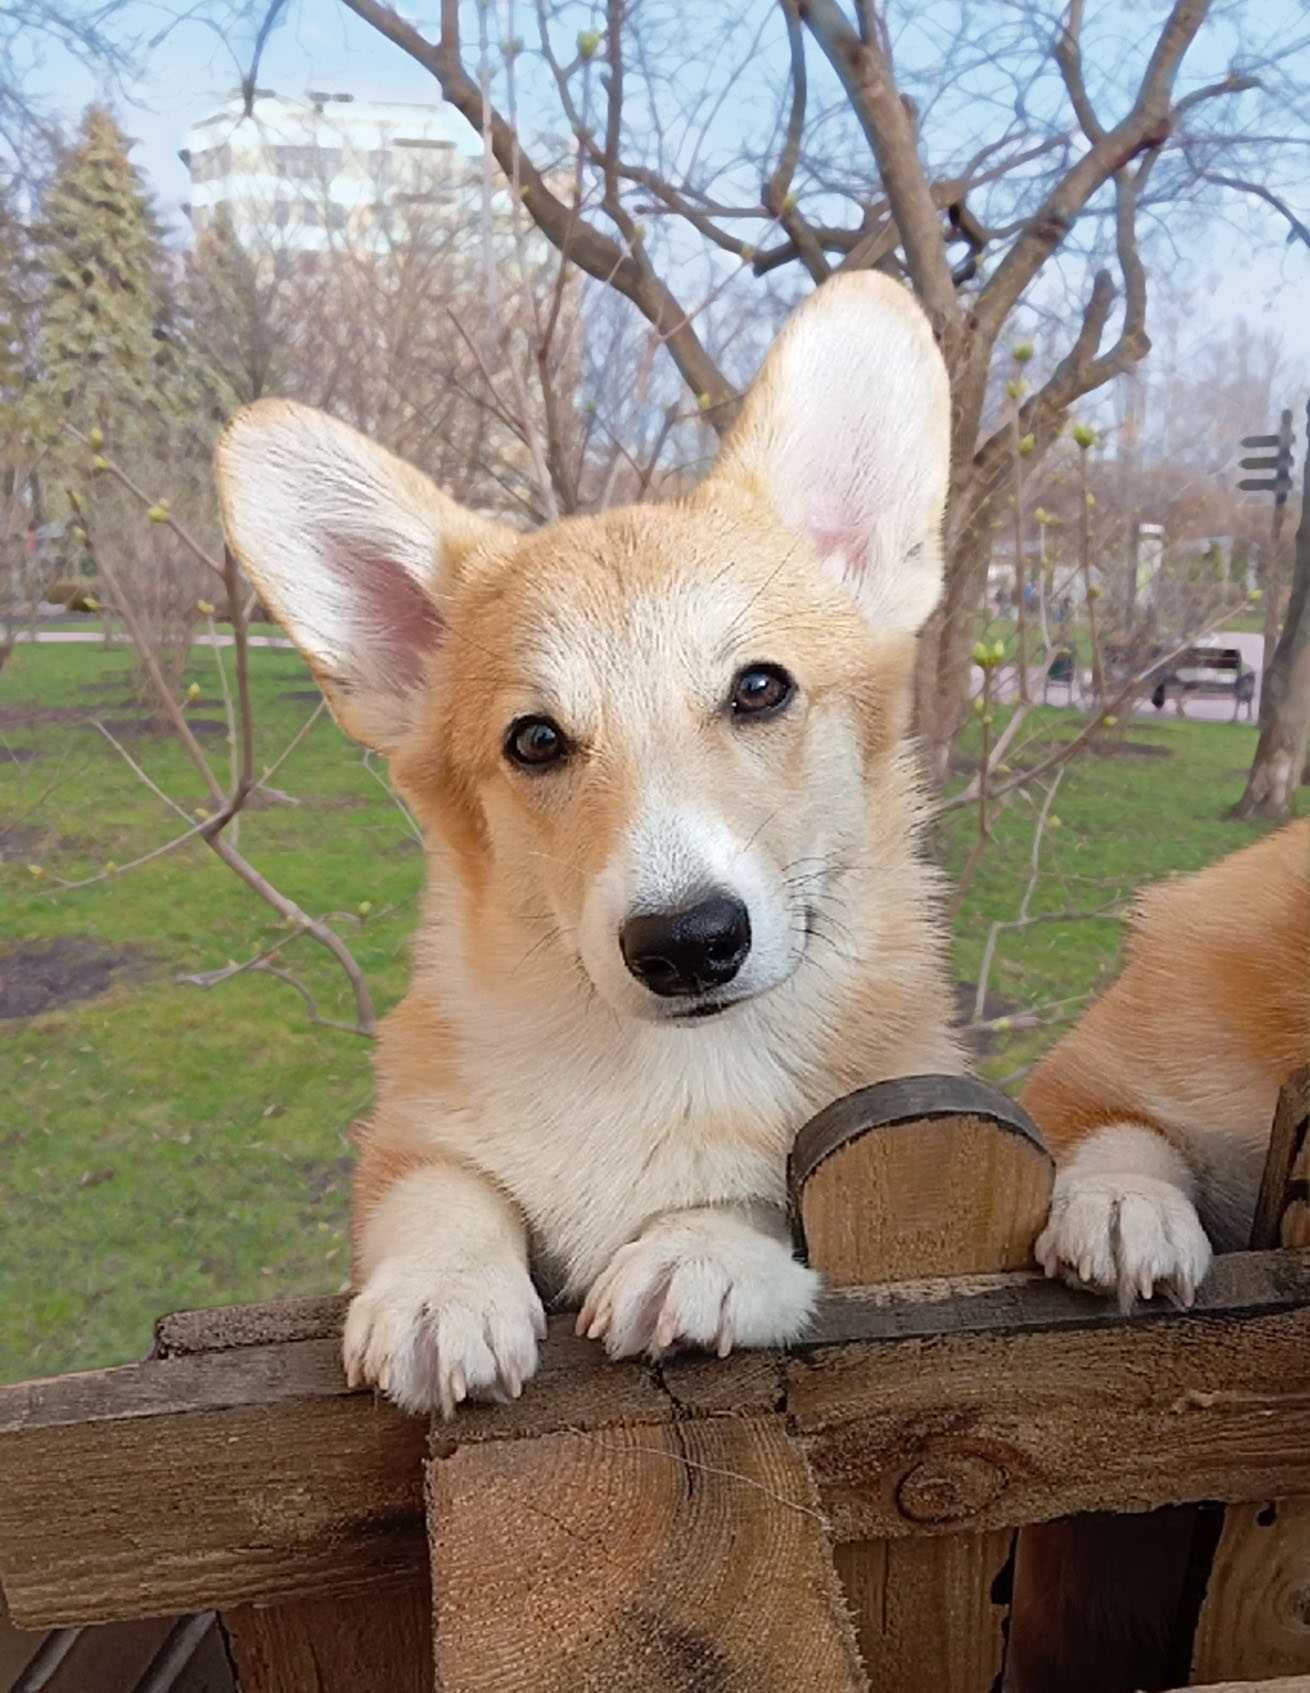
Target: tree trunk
(1285,703)
(941,680)
(941,683)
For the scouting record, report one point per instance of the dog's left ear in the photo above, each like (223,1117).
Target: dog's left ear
(353,551)
(846,436)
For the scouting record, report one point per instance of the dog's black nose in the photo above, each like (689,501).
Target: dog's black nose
(684,952)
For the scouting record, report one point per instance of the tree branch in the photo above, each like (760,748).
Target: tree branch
(1147,125)
(865,72)
(629,272)
(1297,231)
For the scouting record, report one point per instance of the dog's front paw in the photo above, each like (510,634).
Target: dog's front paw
(1128,1235)
(432,1338)
(708,1279)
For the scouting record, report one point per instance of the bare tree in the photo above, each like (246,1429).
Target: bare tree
(82,29)
(1057,187)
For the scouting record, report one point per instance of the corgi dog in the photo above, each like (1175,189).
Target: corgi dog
(673,901)
(1158,1105)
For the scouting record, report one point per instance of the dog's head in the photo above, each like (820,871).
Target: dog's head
(649,740)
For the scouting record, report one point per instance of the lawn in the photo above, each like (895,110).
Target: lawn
(166,1146)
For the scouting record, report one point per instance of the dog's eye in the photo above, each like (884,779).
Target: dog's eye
(535,741)
(761,690)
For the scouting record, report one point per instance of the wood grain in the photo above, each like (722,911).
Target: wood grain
(928,1177)
(961,1185)
(198,1507)
(379,1642)
(1255,1616)
(685,1557)
(996,1430)
(1282,1211)
(250,1474)
(940,1606)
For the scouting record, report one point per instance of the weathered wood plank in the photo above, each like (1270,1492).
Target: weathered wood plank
(226,1327)
(1256,1616)
(996,1430)
(150,1514)
(378,1641)
(686,1556)
(929,1614)
(1282,1212)
(1104,1601)
(931,1176)
(212,1479)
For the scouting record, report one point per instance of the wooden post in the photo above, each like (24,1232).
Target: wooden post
(684,1554)
(1255,1616)
(931,1176)
(375,1640)
(683,1557)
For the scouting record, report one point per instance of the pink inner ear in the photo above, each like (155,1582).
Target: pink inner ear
(845,541)
(397,622)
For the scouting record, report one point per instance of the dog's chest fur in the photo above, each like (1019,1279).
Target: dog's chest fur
(594,1128)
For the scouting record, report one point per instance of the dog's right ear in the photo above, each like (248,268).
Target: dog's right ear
(352,550)
(845,434)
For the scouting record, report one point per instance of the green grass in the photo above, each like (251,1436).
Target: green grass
(1247,622)
(1119,822)
(163,1146)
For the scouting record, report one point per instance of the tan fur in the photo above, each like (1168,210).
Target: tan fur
(1188,1049)
(1208,1018)
(526,1090)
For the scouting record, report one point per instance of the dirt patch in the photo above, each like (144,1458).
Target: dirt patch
(18,841)
(323,1179)
(1128,749)
(129,703)
(30,715)
(18,755)
(138,728)
(41,976)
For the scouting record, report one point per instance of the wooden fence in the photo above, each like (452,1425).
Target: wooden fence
(841,1517)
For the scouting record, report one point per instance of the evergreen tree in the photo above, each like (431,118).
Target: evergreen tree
(13,317)
(105,353)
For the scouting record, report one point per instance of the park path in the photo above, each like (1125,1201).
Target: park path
(87,637)
(1219,710)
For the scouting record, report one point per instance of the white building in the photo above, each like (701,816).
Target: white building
(295,173)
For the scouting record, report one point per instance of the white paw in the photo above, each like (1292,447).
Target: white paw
(703,1278)
(1128,1234)
(430,1338)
